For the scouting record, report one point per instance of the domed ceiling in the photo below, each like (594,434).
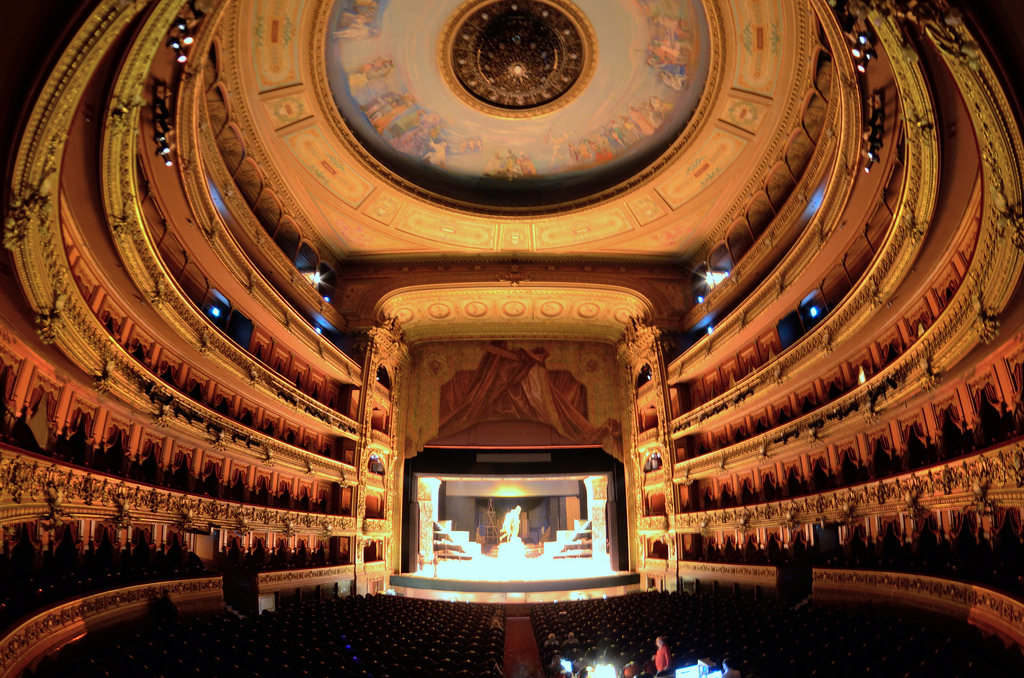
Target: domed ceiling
(548,127)
(517,102)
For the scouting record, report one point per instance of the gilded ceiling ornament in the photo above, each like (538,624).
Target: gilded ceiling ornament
(122,517)
(55,510)
(986,326)
(639,342)
(105,380)
(517,56)
(47,322)
(931,375)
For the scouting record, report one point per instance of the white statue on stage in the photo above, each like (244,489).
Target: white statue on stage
(510,527)
(511,548)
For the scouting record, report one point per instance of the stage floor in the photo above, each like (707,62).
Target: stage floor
(537,591)
(487,579)
(513,567)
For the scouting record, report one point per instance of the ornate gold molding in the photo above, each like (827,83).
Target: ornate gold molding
(979,483)
(728,571)
(308,576)
(56,492)
(971,316)
(917,204)
(527,309)
(980,606)
(53,625)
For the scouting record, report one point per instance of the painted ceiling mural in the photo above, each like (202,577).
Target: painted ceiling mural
(500,179)
(386,63)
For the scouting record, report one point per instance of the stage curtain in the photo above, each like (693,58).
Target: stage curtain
(514,384)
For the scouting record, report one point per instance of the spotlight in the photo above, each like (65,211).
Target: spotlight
(318,330)
(214,311)
(327,299)
(856,52)
(813,311)
(187,40)
(169,162)
(182,58)
(180,24)
(711,329)
(700,299)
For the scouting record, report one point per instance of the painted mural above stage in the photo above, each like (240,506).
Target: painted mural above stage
(646,64)
(511,393)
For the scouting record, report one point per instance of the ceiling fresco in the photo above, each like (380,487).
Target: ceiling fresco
(487,132)
(355,113)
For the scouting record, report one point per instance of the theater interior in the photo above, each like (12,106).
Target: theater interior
(503,337)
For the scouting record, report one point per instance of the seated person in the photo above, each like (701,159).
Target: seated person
(551,642)
(728,670)
(571,642)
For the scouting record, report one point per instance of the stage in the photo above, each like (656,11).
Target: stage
(518,591)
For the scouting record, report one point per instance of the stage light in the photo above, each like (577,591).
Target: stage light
(327,299)
(214,311)
(603,671)
(187,40)
(856,52)
(700,299)
(182,58)
(813,311)
(713,278)
(318,330)
(168,162)
(711,329)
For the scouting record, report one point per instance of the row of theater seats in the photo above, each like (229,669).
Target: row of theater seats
(766,639)
(969,554)
(32,578)
(356,636)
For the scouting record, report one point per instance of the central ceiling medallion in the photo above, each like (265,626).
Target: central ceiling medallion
(517,58)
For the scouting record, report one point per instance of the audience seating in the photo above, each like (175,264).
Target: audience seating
(767,639)
(355,636)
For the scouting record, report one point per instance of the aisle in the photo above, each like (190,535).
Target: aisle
(522,660)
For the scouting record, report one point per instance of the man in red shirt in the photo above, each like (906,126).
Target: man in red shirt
(661,659)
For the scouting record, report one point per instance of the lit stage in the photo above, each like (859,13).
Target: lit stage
(512,576)
(512,538)
(516,591)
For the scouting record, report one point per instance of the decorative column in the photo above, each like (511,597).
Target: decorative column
(597,503)
(427,490)
(386,350)
(638,347)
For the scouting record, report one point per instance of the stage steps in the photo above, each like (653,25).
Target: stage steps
(575,543)
(453,544)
